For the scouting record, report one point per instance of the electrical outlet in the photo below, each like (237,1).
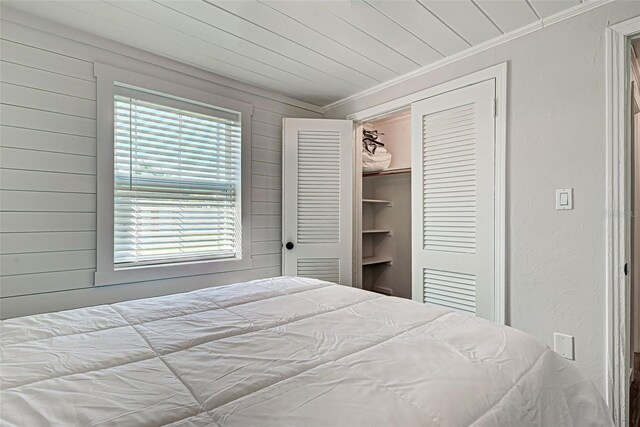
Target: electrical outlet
(564,345)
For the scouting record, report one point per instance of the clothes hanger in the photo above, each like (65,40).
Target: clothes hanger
(370,139)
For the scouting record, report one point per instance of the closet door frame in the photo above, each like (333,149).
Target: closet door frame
(499,74)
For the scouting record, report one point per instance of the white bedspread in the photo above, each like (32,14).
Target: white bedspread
(283,351)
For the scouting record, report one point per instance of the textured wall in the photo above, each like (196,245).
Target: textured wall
(555,139)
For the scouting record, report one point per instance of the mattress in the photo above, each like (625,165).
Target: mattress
(283,351)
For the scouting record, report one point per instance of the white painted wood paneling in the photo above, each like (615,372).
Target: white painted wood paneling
(26,159)
(266,195)
(41,100)
(28,180)
(44,262)
(48,166)
(267,129)
(379,27)
(467,20)
(217,42)
(266,142)
(72,292)
(29,222)
(135,16)
(120,25)
(266,247)
(508,15)
(32,285)
(260,168)
(50,81)
(304,61)
(52,121)
(267,221)
(547,8)
(35,139)
(50,241)
(267,17)
(35,201)
(262,181)
(42,59)
(319,18)
(18,26)
(267,156)
(315,51)
(265,116)
(418,20)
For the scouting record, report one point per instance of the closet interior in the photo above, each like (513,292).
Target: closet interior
(383,208)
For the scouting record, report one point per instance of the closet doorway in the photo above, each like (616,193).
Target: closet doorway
(431,224)
(382,207)
(446,179)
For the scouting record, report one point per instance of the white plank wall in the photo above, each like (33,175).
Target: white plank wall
(48,174)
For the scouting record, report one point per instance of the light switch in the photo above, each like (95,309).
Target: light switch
(564,198)
(563,345)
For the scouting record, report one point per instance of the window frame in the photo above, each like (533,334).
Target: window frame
(108,78)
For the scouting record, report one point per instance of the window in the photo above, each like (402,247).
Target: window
(177,181)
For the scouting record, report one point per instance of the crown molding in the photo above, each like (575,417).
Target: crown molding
(512,35)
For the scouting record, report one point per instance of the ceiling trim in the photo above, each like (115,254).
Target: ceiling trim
(535,26)
(46,26)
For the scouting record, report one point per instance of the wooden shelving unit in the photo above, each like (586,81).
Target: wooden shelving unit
(382,210)
(373,260)
(376,231)
(377,202)
(387,172)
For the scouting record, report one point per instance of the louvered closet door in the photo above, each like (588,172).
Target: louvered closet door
(453,199)
(317,199)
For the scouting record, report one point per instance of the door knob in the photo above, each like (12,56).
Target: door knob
(289,245)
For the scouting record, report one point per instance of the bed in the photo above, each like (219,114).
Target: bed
(283,351)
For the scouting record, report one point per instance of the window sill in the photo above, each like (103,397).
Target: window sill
(169,271)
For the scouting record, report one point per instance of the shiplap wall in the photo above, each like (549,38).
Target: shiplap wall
(48,174)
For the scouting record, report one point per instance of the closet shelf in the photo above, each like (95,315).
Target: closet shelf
(374,201)
(376,231)
(387,172)
(372,260)
(382,290)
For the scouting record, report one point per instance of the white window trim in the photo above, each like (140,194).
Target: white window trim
(106,274)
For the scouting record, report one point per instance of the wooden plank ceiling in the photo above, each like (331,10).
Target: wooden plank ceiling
(314,51)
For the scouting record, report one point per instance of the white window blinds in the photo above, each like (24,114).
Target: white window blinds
(176,180)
